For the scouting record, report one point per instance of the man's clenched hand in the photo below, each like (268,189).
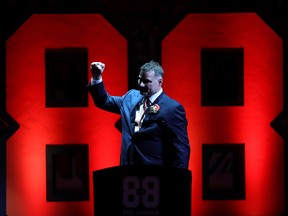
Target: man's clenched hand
(97,69)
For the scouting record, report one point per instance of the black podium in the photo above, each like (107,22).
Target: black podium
(147,190)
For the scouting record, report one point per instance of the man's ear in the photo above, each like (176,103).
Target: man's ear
(160,81)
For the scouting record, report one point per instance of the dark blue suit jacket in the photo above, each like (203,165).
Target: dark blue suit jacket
(162,138)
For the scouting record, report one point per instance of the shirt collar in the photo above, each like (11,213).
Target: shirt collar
(152,98)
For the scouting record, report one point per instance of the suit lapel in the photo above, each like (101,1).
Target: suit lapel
(129,113)
(148,115)
(158,101)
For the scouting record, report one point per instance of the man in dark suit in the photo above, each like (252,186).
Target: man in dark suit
(154,126)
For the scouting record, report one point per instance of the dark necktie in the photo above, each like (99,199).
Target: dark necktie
(139,117)
(147,103)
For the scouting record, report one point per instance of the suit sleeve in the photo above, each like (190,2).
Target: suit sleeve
(180,152)
(103,100)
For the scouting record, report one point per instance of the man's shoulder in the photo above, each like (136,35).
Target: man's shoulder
(170,99)
(172,103)
(133,92)
(132,95)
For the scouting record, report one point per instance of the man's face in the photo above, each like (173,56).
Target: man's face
(149,84)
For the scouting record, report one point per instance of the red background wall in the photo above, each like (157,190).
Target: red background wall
(249,124)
